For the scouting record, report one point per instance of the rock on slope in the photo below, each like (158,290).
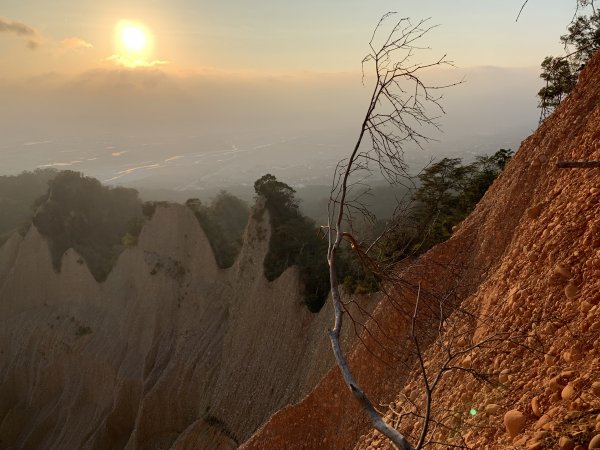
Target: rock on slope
(169,352)
(526,263)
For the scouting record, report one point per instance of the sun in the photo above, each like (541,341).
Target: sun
(133,42)
(133,38)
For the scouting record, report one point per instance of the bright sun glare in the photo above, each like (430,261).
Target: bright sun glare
(133,38)
(134,44)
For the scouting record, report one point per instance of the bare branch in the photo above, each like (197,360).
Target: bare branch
(395,114)
(521,10)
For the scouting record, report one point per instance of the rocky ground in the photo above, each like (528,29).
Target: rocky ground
(520,351)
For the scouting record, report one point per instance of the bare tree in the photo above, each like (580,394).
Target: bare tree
(398,114)
(578,4)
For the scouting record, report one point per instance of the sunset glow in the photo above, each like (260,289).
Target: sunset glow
(133,44)
(133,38)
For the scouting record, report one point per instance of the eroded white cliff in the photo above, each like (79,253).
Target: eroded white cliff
(169,352)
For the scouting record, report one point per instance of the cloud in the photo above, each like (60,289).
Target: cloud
(75,43)
(17,28)
(132,63)
(21,30)
(119,83)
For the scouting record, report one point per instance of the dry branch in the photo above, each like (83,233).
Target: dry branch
(397,111)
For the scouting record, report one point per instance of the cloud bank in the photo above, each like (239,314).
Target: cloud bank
(75,43)
(21,30)
(128,62)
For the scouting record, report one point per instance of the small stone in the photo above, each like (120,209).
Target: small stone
(535,445)
(542,421)
(539,435)
(571,291)
(535,406)
(534,211)
(585,307)
(595,442)
(514,422)
(576,353)
(596,390)
(492,409)
(564,443)
(572,355)
(563,271)
(520,441)
(555,385)
(568,392)
(503,377)
(571,415)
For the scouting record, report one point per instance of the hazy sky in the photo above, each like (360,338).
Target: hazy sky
(271,35)
(271,68)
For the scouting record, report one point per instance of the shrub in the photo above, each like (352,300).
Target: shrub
(78,212)
(223,222)
(294,241)
(17,195)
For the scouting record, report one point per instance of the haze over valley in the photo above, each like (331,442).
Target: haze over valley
(297,129)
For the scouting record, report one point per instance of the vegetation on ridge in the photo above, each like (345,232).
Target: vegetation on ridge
(17,194)
(294,241)
(561,72)
(448,191)
(78,212)
(224,222)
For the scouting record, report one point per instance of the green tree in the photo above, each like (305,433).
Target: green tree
(449,191)
(17,195)
(484,171)
(280,197)
(78,212)
(583,39)
(224,222)
(231,214)
(560,79)
(294,241)
(439,201)
(440,182)
(560,73)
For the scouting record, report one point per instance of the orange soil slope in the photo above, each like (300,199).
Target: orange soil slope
(528,256)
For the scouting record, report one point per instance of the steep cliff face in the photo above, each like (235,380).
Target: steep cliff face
(168,352)
(526,262)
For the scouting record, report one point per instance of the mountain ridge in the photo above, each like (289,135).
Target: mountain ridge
(159,355)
